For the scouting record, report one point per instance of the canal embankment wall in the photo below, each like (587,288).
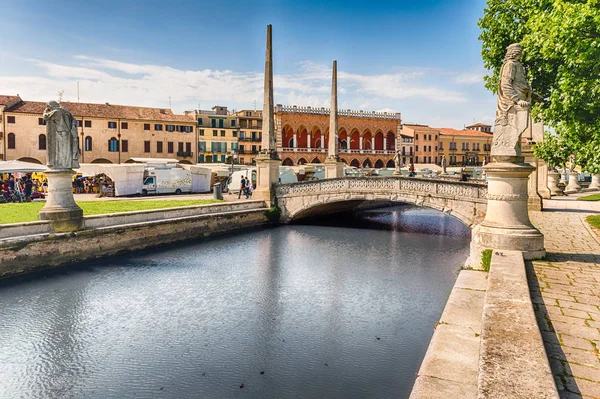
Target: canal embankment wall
(487,343)
(28,247)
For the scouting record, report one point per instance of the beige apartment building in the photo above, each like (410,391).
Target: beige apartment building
(5,102)
(217,134)
(250,136)
(465,147)
(109,133)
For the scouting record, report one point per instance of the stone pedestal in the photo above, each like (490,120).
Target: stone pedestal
(506,225)
(267,174)
(333,169)
(563,177)
(573,186)
(60,207)
(553,178)
(542,175)
(595,184)
(397,172)
(534,200)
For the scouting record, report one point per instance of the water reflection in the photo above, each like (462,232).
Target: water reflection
(330,311)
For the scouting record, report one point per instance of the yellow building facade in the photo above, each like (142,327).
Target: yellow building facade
(218,133)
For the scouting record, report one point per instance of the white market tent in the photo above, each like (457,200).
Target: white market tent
(20,166)
(127,178)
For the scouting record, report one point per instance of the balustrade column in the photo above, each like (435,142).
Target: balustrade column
(295,141)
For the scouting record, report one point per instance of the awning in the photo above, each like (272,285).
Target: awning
(20,166)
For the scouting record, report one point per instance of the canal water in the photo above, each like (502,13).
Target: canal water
(343,309)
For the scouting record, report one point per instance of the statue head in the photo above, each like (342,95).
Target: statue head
(52,105)
(514,52)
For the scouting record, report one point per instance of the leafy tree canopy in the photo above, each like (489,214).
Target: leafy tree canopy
(561,40)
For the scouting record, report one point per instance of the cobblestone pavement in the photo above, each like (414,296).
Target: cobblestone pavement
(565,290)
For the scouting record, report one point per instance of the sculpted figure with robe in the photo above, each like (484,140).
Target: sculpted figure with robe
(63,143)
(512,109)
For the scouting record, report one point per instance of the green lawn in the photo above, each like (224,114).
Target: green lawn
(593,197)
(28,211)
(594,221)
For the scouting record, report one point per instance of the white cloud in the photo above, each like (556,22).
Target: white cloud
(105,80)
(469,78)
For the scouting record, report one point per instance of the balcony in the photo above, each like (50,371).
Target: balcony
(245,151)
(184,154)
(250,139)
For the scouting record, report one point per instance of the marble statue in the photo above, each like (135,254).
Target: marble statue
(444,165)
(63,143)
(512,109)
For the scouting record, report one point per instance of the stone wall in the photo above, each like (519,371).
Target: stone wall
(28,253)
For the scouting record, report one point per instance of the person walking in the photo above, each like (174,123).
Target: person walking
(28,188)
(242,188)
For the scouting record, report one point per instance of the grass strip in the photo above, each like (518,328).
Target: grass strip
(28,211)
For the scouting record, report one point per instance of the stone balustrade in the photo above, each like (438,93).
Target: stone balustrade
(293,109)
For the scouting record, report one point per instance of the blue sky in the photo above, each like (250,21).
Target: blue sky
(420,58)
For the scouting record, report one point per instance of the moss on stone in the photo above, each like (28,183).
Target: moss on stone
(486,259)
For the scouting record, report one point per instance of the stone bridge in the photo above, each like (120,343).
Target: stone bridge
(464,200)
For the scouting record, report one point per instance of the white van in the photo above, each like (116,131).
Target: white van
(167,181)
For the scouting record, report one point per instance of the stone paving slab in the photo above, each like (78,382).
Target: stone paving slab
(565,290)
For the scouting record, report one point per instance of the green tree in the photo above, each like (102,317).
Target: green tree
(554,150)
(561,40)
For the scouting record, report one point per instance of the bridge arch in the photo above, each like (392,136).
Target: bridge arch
(465,201)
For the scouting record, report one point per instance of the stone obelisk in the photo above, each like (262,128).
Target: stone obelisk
(333,167)
(267,162)
(506,225)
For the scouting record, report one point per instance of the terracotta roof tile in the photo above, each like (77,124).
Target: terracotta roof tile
(421,128)
(479,125)
(8,100)
(106,111)
(446,131)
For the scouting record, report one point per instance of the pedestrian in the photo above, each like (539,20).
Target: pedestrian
(45,186)
(242,188)
(28,187)
(249,187)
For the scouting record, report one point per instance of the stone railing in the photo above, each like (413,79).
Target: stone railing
(293,109)
(475,192)
(513,361)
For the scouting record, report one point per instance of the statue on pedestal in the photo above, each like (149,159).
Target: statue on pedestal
(444,172)
(512,109)
(63,143)
(62,156)
(397,163)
